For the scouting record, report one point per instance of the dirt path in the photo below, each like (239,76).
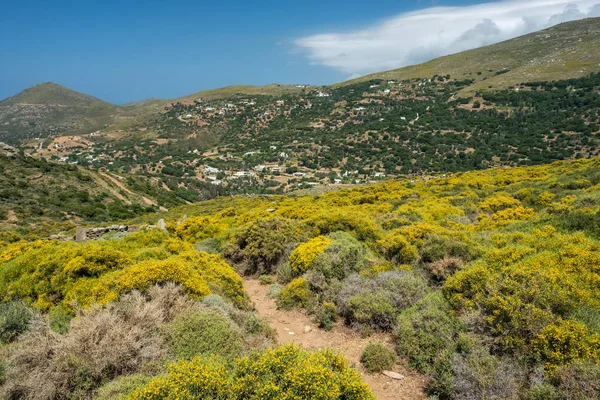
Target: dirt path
(298,328)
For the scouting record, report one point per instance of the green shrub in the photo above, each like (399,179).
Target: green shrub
(204,332)
(266,279)
(544,391)
(14,320)
(60,319)
(376,357)
(284,273)
(326,315)
(265,243)
(122,387)
(287,372)
(425,330)
(376,302)
(397,249)
(343,257)
(294,294)
(274,290)
(436,248)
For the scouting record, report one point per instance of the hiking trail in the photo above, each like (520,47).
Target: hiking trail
(296,327)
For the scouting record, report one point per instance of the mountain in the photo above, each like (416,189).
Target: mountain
(48,110)
(568,50)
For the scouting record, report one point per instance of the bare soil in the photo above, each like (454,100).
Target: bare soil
(296,327)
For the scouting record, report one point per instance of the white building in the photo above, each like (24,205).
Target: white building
(211,170)
(244,173)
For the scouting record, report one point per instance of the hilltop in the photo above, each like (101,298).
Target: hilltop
(568,50)
(50,93)
(49,109)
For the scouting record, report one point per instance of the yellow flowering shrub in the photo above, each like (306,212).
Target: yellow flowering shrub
(46,274)
(304,255)
(197,228)
(498,202)
(528,286)
(284,373)
(396,248)
(296,293)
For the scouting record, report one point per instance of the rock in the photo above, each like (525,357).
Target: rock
(80,234)
(291,333)
(161,224)
(393,375)
(270,210)
(307,329)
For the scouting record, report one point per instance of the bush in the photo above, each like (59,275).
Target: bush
(376,302)
(326,315)
(303,257)
(579,381)
(60,319)
(122,387)
(343,257)
(397,249)
(283,373)
(480,375)
(204,333)
(14,320)
(274,290)
(49,273)
(266,280)
(284,273)
(544,391)
(437,247)
(294,294)
(102,344)
(424,331)
(265,243)
(376,357)
(441,270)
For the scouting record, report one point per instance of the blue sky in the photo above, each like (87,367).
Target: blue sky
(123,51)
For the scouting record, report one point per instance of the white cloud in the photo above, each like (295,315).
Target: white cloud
(415,37)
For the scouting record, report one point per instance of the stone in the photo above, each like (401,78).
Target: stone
(80,234)
(270,210)
(307,329)
(291,333)
(161,224)
(393,375)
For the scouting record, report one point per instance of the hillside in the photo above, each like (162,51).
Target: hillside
(49,109)
(476,285)
(41,196)
(568,50)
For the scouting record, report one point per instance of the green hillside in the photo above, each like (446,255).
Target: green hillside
(568,50)
(41,196)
